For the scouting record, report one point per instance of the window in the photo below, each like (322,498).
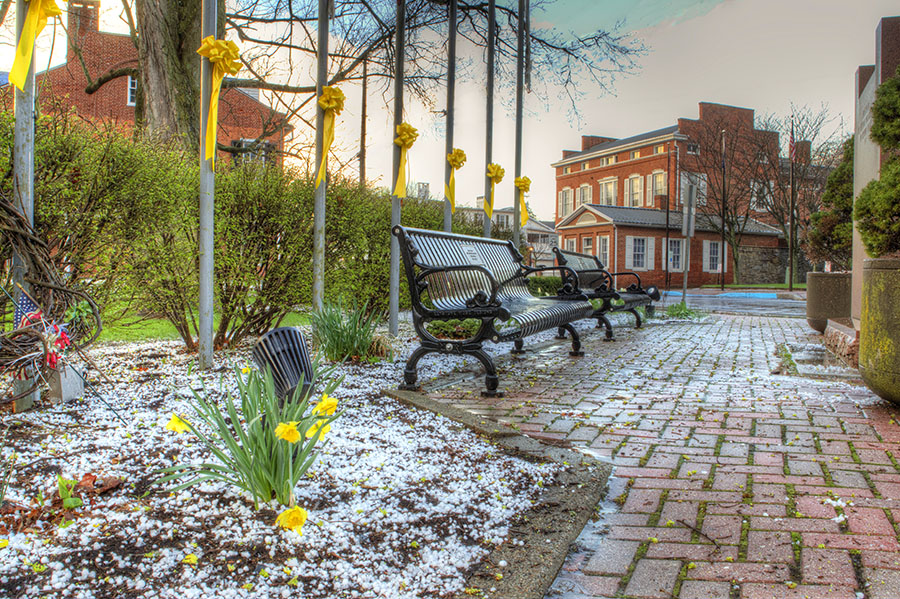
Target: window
(656,186)
(253,150)
(603,249)
(584,194)
(606,161)
(693,149)
(675,256)
(639,253)
(570,244)
(132,91)
(713,263)
(693,183)
(503,219)
(660,149)
(608,191)
(565,203)
(635,154)
(567,170)
(715,258)
(760,195)
(633,191)
(585,166)
(587,245)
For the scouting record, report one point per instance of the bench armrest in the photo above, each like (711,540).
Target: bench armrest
(480,299)
(629,274)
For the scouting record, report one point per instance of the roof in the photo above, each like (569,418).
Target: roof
(612,145)
(656,219)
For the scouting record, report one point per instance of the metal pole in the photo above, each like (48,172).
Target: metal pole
(791,225)
(362,124)
(23,180)
(451,103)
(399,52)
(207,200)
(489,116)
(722,252)
(520,89)
(318,287)
(668,195)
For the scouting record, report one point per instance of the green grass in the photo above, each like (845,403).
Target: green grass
(800,286)
(134,329)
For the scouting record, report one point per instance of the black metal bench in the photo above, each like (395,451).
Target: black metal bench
(595,282)
(457,277)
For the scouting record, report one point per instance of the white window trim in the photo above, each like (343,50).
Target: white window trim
(587,241)
(603,256)
(571,244)
(681,256)
(128,101)
(649,253)
(590,193)
(723,256)
(629,190)
(602,184)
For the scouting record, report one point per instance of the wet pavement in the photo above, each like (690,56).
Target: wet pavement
(759,304)
(730,481)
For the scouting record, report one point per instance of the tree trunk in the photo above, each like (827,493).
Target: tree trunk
(169,36)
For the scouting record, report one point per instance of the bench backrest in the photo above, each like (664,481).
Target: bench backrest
(581,263)
(423,248)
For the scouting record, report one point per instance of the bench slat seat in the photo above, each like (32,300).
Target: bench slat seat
(458,277)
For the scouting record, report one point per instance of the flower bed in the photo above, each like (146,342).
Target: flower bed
(400,503)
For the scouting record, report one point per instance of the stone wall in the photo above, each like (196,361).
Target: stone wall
(768,265)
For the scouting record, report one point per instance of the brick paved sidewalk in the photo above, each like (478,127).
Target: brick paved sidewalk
(730,482)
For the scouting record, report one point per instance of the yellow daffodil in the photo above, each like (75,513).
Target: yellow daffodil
(177,424)
(327,406)
(287,431)
(315,428)
(4,543)
(292,519)
(190,559)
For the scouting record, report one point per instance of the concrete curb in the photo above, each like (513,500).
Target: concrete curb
(548,529)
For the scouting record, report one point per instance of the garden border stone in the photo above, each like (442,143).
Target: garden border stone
(549,528)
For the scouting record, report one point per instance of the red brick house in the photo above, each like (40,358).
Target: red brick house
(241,115)
(621,199)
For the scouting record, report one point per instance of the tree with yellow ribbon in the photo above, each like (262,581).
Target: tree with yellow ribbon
(39,11)
(406,137)
(456,158)
(523,184)
(495,173)
(332,102)
(224,58)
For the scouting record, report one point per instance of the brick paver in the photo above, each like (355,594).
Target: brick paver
(730,481)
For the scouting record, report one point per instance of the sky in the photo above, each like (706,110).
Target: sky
(762,54)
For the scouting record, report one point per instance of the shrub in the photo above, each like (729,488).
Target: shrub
(347,331)
(877,212)
(454,329)
(681,310)
(541,286)
(886,113)
(253,450)
(830,234)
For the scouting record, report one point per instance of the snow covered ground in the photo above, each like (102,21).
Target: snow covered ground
(401,503)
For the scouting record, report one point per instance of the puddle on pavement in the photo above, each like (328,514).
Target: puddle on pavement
(815,361)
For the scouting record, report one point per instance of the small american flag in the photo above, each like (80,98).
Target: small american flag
(27,312)
(792,149)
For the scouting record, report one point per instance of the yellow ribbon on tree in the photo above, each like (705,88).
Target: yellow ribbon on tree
(224,59)
(495,173)
(332,102)
(406,137)
(523,184)
(456,158)
(39,11)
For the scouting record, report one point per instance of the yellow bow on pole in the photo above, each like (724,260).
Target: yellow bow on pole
(332,102)
(523,184)
(495,173)
(456,158)
(39,11)
(224,58)
(406,137)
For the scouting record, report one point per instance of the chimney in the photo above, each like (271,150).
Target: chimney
(803,149)
(589,141)
(84,18)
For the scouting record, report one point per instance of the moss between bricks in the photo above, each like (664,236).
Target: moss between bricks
(549,527)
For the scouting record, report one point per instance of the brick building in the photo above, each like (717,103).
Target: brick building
(621,199)
(242,117)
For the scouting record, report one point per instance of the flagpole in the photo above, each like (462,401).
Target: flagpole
(520,90)
(394,283)
(451,101)
(489,114)
(791,152)
(207,201)
(23,180)
(318,282)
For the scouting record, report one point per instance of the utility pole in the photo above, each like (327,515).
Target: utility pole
(318,287)
(489,113)
(791,156)
(399,53)
(520,93)
(451,104)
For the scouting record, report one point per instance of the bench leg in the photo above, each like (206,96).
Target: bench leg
(561,333)
(576,340)
(651,310)
(603,321)
(518,347)
(637,318)
(491,382)
(410,376)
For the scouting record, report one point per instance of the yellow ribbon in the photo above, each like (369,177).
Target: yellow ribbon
(406,137)
(224,58)
(523,184)
(332,102)
(456,158)
(39,11)
(495,173)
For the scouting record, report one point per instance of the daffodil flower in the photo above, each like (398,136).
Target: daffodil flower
(292,519)
(315,428)
(287,431)
(4,543)
(326,406)
(190,559)
(177,424)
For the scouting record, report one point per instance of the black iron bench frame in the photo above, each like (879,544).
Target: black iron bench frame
(593,281)
(447,282)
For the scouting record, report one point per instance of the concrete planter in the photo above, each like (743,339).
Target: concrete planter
(827,296)
(879,336)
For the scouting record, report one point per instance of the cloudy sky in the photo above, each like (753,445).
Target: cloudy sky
(760,54)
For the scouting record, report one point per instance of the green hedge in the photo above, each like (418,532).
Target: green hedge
(541,286)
